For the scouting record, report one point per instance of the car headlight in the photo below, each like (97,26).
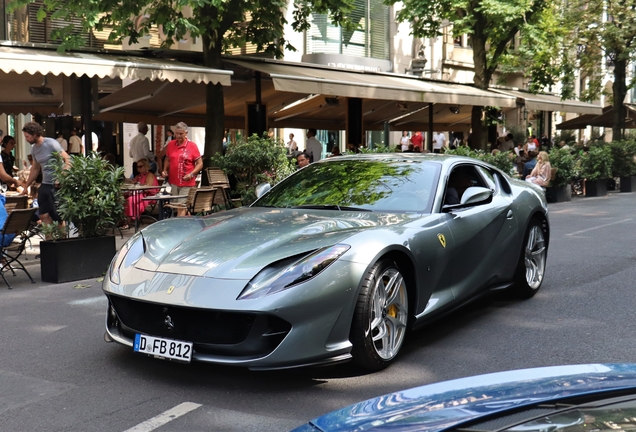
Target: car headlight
(115,266)
(284,274)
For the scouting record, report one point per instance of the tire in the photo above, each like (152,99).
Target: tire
(381,316)
(531,267)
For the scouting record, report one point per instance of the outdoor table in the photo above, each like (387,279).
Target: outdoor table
(21,201)
(161,198)
(137,191)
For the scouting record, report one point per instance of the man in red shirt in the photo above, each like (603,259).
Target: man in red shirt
(183,162)
(417,139)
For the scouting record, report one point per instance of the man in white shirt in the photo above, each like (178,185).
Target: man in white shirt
(62,141)
(75,144)
(439,141)
(313,147)
(140,147)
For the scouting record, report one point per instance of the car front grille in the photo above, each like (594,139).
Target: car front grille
(204,326)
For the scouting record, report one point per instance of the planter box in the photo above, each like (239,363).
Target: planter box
(76,259)
(557,194)
(596,188)
(628,184)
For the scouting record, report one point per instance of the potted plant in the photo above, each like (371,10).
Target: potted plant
(257,160)
(623,166)
(91,203)
(561,189)
(596,169)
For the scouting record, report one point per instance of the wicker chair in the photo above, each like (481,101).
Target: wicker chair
(199,201)
(219,181)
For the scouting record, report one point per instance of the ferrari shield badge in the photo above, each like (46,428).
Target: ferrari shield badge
(170,289)
(442,240)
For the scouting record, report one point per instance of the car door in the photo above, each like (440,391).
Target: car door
(481,235)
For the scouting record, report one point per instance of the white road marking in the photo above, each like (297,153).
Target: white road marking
(599,226)
(91,300)
(165,417)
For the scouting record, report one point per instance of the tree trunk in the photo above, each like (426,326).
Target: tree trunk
(214,109)
(481,80)
(619,91)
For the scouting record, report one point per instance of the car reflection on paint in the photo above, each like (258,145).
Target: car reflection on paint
(576,398)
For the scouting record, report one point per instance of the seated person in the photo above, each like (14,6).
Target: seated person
(540,175)
(302,159)
(530,164)
(458,182)
(135,205)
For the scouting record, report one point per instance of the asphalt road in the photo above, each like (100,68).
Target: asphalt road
(58,374)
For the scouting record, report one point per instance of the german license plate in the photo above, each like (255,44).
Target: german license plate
(164,348)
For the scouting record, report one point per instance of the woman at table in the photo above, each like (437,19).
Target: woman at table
(135,205)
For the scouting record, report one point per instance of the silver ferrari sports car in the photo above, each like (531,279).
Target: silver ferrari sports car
(336,262)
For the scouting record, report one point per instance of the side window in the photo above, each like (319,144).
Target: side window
(489,177)
(503,184)
(461,178)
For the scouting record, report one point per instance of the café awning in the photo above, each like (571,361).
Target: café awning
(606,119)
(326,81)
(544,102)
(44,62)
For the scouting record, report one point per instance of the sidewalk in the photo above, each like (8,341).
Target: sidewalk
(32,264)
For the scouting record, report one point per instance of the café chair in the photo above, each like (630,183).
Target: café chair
(15,234)
(199,202)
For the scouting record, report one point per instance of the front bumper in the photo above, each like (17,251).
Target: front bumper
(304,325)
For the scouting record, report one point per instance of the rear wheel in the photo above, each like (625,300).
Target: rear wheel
(381,316)
(531,266)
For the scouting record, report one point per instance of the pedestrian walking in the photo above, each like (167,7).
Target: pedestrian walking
(42,151)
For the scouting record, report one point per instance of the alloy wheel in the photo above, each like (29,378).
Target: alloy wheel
(535,257)
(389,314)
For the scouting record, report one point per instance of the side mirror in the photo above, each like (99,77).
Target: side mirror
(473,195)
(476,194)
(262,189)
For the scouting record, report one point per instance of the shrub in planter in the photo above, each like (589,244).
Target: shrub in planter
(623,153)
(90,199)
(596,168)
(257,160)
(596,164)
(563,160)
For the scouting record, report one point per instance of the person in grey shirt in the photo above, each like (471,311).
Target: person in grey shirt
(42,151)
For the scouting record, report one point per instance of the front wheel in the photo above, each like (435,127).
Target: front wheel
(531,266)
(381,316)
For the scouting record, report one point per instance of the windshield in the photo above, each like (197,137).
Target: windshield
(396,186)
(614,417)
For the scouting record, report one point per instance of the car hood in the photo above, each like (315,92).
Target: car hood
(440,406)
(238,243)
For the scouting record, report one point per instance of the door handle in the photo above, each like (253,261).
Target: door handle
(510,214)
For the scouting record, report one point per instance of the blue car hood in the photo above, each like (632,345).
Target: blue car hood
(237,244)
(437,407)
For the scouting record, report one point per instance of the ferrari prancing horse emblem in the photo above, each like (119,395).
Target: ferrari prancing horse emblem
(442,239)
(170,289)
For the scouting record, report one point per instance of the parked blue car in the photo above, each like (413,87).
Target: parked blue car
(578,398)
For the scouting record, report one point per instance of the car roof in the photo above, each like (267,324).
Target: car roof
(441,159)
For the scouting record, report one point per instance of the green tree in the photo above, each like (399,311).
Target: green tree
(605,32)
(221,25)
(492,25)
(585,35)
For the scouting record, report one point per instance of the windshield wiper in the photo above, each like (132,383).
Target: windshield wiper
(330,207)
